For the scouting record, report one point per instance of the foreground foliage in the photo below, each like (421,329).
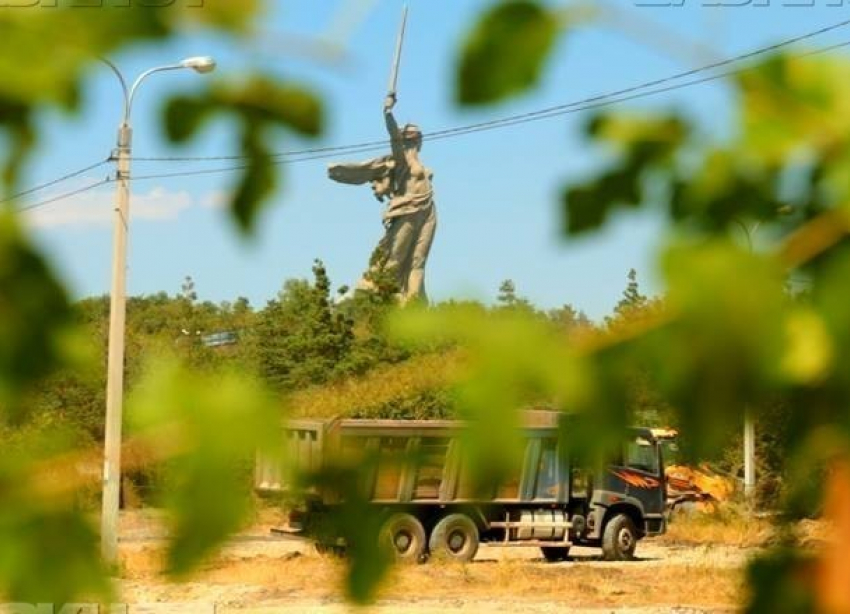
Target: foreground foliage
(727,336)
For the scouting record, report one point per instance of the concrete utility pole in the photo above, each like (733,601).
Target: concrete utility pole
(118,308)
(749,454)
(749,421)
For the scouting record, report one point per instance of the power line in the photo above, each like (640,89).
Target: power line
(630,93)
(602,101)
(555,112)
(53,182)
(66,195)
(542,113)
(507,122)
(648,84)
(275,162)
(316,150)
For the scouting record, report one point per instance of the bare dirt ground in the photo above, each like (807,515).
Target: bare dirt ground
(260,573)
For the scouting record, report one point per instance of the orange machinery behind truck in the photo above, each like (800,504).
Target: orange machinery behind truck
(687,484)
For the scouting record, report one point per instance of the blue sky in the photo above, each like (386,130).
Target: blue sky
(497,192)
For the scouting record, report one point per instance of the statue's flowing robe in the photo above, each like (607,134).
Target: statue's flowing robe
(410,222)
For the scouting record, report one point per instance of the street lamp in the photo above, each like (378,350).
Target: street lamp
(118,306)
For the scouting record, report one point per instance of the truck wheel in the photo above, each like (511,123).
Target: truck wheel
(455,538)
(553,554)
(619,539)
(404,538)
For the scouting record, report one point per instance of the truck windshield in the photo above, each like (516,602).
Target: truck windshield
(642,455)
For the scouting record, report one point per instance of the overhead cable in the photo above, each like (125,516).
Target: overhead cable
(489,126)
(66,195)
(545,112)
(645,89)
(53,182)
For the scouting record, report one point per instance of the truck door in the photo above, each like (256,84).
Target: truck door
(639,474)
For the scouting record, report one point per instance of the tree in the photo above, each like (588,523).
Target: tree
(300,339)
(570,321)
(632,305)
(632,298)
(508,298)
(187,289)
(507,294)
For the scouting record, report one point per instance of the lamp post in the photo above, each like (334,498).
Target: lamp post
(118,306)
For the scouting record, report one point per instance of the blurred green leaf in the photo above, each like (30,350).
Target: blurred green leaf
(277,103)
(259,105)
(21,130)
(809,353)
(788,149)
(35,317)
(233,16)
(791,104)
(185,115)
(725,191)
(209,427)
(505,53)
(514,362)
(256,184)
(358,523)
(38,76)
(778,583)
(50,552)
(49,556)
(644,146)
(723,350)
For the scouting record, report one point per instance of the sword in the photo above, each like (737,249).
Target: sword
(397,59)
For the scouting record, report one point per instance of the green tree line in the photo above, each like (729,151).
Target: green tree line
(305,337)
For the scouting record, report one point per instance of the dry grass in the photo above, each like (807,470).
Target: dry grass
(728,528)
(256,573)
(700,564)
(581,585)
(379,386)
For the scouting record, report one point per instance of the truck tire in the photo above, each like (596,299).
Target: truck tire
(454,538)
(619,539)
(553,554)
(404,538)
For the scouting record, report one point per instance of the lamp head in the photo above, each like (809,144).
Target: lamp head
(201,64)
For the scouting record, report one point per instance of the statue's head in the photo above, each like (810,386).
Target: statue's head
(411,136)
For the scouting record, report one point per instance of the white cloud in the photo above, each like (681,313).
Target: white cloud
(160,204)
(217,199)
(95,208)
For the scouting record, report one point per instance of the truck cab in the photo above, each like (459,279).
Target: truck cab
(627,502)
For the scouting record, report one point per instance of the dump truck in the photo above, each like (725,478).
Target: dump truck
(419,482)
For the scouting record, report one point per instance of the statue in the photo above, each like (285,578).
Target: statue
(410,218)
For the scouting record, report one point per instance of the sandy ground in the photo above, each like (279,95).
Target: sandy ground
(258,572)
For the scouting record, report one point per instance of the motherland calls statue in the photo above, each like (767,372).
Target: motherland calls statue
(410,217)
